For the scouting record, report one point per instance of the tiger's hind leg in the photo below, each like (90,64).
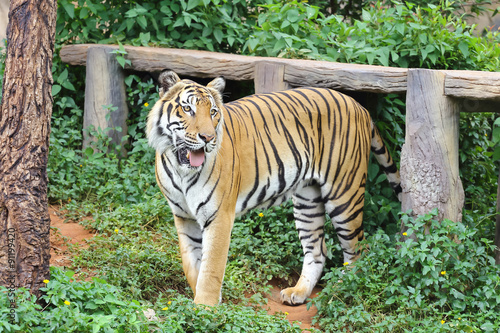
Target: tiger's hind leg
(309,213)
(346,214)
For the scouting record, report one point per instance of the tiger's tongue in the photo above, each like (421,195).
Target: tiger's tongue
(196,157)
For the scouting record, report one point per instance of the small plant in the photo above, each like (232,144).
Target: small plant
(444,279)
(73,306)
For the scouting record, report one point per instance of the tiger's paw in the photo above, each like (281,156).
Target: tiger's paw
(294,296)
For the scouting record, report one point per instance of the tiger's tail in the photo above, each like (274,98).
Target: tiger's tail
(385,161)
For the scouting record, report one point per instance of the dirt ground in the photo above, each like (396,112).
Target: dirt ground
(70,233)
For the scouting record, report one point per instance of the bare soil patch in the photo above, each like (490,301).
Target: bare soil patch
(294,313)
(66,235)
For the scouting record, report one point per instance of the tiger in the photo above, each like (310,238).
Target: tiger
(215,161)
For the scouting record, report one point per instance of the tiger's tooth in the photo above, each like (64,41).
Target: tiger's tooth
(187,154)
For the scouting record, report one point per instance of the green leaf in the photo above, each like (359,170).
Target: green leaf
(464,48)
(252,44)
(143,22)
(70,9)
(121,61)
(84,13)
(285,24)
(370,56)
(311,13)
(187,20)
(496,154)
(365,15)
(55,89)
(292,15)
(218,35)
(131,13)
(384,56)
(401,27)
(89,151)
(91,305)
(68,85)
(488,327)
(280,45)
(69,273)
(192,4)
(395,56)
(63,76)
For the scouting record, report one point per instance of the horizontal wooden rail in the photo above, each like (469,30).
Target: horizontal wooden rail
(472,84)
(377,79)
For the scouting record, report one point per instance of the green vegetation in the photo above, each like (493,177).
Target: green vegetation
(74,306)
(390,288)
(444,278)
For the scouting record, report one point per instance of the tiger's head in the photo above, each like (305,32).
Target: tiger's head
(187,120)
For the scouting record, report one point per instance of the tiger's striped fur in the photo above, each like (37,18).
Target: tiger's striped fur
(215,161)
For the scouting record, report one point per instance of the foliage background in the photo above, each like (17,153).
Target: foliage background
(136,251)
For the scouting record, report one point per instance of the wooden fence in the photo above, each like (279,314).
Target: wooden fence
(434,100)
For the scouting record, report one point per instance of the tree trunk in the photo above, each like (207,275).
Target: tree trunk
(24,139)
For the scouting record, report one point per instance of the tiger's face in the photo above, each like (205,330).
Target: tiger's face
(186,122)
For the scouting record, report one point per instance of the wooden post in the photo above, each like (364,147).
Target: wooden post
(104,88)
(269,77)
(429,157)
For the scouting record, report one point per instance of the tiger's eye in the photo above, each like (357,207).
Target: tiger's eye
(186,108)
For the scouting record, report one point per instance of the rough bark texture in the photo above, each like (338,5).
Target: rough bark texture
(24,139)
(429,158)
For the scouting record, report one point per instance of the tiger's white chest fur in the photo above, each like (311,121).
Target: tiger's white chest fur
(189,193)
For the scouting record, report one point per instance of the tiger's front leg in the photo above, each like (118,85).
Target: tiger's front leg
(216,239)
(190,244)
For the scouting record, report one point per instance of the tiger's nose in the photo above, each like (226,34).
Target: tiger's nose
(206,137)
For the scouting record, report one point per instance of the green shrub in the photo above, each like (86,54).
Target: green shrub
(73,306)
(204,24)
(400,35)
(76,306)
(444,279)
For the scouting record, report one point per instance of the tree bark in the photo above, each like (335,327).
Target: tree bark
(24,139)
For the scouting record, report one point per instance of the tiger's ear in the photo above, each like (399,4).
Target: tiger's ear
(218,84)
(167,80)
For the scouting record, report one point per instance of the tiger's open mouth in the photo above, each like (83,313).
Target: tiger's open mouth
(194,158)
